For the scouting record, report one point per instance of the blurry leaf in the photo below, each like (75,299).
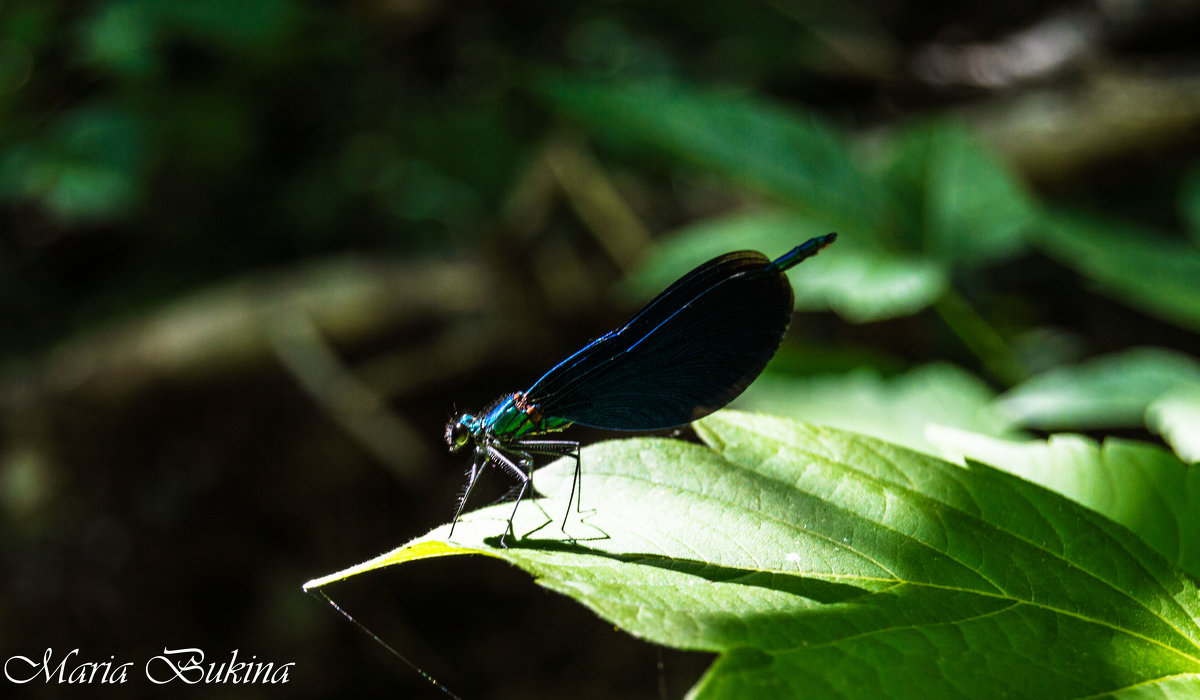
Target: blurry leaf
(16,66)
(1109,391)
(1176,416)
(788,155)
(236,24)
(123,37)
(1135,266)
(898,409)
(1189,202)
(85,191)
(1043,348)
(1141,486)
(942,202)
(865,285)
(88,168)
(34,25)
(956,195)
(801,358)
(126,35)
(821,563)
(420,192)
(854,277)
(604,43)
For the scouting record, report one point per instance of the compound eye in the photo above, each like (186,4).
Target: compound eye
(457,435)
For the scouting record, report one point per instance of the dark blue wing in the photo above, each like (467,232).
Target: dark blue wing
(687,353)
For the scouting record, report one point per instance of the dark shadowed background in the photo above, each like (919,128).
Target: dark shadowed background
(255,253)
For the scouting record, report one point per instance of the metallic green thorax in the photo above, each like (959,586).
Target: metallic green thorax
(514,417)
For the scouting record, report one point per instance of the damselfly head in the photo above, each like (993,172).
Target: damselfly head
(458,433)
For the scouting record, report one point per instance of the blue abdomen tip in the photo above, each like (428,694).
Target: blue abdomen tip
(804,251)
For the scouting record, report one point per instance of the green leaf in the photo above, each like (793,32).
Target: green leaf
(1141,486)
(1138,267)
(1189,202)
(258,26)
(1176,416)
(898,409)
(964,202)
(864,286)
(820,563)
(855,278)
(1109,391)
(122,37)
(88,168)
(798,359)
(788,155)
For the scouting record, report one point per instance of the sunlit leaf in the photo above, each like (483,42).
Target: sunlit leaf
(898,409)
(819,563)
(1176,416)
(1141,486)
(1109,391)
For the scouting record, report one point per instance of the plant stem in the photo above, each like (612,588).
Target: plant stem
(981,338)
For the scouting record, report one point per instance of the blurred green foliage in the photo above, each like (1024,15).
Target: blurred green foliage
(148,147)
